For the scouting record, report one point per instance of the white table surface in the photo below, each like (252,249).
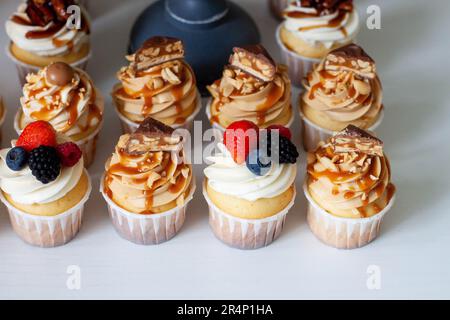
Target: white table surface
(412,51)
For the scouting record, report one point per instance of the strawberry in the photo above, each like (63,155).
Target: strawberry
(283,131)
(240,138)
(36,134)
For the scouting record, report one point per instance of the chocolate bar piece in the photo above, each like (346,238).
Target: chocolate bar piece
(254,60)
(42,12)
(152,136)
(157,50)
(328,6)
(351,58)
(354,139)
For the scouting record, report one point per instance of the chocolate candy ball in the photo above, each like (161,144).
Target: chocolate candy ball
(59,74)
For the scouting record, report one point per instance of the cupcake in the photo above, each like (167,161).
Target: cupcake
(343,89)
(148,184)
(2,115)
(349,189)
(67,98)
(277,7)
(311,29)
(41,33)
(250,185)
(157,83)
(44,186)
(253,87)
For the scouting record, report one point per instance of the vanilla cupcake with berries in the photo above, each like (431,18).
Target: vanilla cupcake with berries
(253,87)
(67,98)
(250,184)
(44,185)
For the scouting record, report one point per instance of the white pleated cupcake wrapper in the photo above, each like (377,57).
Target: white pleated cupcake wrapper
(313,134)
(23,69)
(48,232)
(147,229)
(87,145)
(278,7)
(129,126)
(343,233)
(298,65)
(246,234)
(217,126)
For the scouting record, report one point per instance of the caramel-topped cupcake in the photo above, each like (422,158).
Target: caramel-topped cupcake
(253,87)
(44,31)
(157,83)
(312,28)
(68,100)
(349,178)
(343,89)
(148,180)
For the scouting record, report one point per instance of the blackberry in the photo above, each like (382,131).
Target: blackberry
(45,164)
(285,149)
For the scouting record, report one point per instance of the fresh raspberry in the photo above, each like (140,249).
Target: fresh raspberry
(36,134)
(240,138)
(69,154)
(283,131)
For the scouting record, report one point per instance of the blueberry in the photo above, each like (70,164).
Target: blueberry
(16,158)
(257,163)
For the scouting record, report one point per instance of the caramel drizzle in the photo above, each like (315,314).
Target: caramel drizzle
(148,94)
(149,161)
(365,183)
(333,23)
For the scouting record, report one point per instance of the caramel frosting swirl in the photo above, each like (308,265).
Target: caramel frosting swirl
(147,182)
(166,92)
(74,109)
(349,184)
(335,99)
(238,95)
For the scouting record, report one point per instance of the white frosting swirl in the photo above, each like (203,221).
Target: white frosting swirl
(61,42)
(322,29)
(228,177)
(24,188)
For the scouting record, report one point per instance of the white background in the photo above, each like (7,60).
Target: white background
(412,54)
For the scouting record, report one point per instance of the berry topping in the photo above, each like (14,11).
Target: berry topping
(240,138)
(36,134)
(69,153)
(287,151)
(283,131)
(45,164)
(16,158)
(258,163)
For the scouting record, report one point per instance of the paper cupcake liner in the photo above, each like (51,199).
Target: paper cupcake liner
(48,232)
(246,234)
(277,7)
(298,66)
(343,233)
(217,126)
(23,69)
(87,145)
(129,126)
(147,229)
(312,134)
